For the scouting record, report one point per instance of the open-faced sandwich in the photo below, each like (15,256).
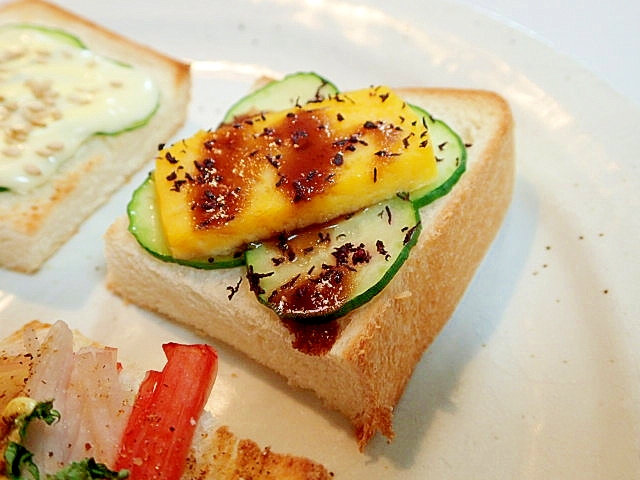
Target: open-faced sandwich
(81,110)
(70,410)
(328,235)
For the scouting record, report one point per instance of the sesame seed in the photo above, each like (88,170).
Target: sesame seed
(80,99)
(36,120)
(35,106)
(11,105)
(55,146)
(32,169)
(12,151)
(43,152)
(43,52)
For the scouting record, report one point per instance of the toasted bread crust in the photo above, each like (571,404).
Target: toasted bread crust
(35,225)
(220,455)
(367,369)
(427,289)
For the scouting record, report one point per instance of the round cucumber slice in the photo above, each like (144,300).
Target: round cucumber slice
(295,89)
(59,34)
(326,271)
(133,126)
(451,158)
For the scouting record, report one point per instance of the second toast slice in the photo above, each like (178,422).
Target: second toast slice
(34,224)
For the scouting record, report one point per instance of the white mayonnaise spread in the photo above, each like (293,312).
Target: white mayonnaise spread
(53,96)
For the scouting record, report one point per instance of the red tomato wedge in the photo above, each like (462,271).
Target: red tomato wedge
(160,430)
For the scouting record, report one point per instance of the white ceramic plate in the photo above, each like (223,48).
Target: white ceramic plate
(537,373)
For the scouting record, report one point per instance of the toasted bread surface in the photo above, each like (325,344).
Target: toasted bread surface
(218,454)
(379,344)
(34,225)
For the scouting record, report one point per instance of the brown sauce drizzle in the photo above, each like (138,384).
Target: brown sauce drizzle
(321,291)
(313,338)
(223,175)
(302,148)
(317,294)
(308,155)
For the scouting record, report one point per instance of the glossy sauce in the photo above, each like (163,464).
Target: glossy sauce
(322,289)
(313,338)
(222,178)
(301,148)
(309,155)
(313,295)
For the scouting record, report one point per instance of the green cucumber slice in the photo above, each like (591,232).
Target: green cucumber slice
(295,89)
(60,35)
(326,271)
(144,224)
(135,125)
(451,158)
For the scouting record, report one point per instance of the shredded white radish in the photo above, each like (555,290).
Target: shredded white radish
(86,389)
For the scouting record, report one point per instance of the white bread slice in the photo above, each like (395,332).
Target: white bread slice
(216,453)
(33,226)
(366,370)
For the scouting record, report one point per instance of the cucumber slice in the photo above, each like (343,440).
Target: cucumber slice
(56,33)
(326,271)
(144,224)
(451,157)
(133,126)
(295,89)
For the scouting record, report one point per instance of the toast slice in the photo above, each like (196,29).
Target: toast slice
(35,224)
(376,347)
(215,454)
